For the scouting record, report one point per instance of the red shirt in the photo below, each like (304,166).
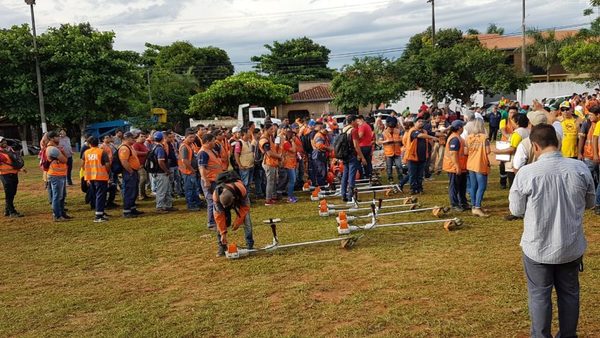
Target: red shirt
(142,151)
(367,139)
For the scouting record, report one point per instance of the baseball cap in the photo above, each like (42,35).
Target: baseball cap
(158,136)
(565,104)
(458,124)
(311,123)
(1,138)
(537,117)
(236,129)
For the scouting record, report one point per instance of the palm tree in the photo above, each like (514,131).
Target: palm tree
(543,51)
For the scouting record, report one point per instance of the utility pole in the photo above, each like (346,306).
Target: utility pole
(149,89)
(523,53)
(37,69)
(432,22)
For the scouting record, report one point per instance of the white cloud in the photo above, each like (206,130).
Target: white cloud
(242,27)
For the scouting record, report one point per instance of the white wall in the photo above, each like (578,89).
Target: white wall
(552,89)
(414,98)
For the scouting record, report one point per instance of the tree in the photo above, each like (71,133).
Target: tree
(18,86)
(293,61)
(369,81)
(457,67)
(472,31)
(494,29)
(581,57)
(207,64)
(543,52)
(224,96)
(172,92)
(85,78)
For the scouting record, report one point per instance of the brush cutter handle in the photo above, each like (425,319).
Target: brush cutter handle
(274,231)
(380,203)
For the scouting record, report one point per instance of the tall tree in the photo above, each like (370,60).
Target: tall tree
(494,29)
(294,60)
(369,81)
(85,78)
(457,67)
(543,51)
(224,96)
(472,31)
(207,64)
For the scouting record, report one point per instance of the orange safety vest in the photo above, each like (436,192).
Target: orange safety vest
(213,167)
(299,146)
(182,167)
(395,148)
(588,148)
(448,165)
(411,150)
(268,160)
(5,166)
(225,148)
(93,168)
(320,136)
(57,168)
(134,161)
(290,160)
(478,160)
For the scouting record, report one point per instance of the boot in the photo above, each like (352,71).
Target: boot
(478,212)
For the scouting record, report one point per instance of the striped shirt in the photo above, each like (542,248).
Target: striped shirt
(552,195)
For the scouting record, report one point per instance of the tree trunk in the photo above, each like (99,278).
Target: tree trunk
(23,137)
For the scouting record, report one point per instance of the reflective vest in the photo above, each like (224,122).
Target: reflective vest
(5,165)
(411,150)
(588,148)
(570,137)
(213,167)
(134,161)
(478,160)
(448,165)
(290,160)
(93,168)
(319,137)
(268,160)
(395,148)
(56,167)
(246,154)
(183,168)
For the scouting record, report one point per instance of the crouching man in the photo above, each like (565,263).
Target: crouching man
(231,195)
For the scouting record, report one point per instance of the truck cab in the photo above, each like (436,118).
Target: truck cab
(247,113)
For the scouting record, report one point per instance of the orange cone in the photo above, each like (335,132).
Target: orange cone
(323,206)
(343,224)
(342,216)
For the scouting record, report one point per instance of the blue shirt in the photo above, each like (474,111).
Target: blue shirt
(454,144)
(203,158)
(422,146)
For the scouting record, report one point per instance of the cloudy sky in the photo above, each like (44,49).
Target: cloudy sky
(242,27)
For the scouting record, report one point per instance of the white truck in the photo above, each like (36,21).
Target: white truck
(246,113)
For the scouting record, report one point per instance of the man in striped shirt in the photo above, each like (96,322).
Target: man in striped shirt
(552,195)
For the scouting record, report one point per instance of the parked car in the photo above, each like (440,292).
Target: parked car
(340,119)
(554,102)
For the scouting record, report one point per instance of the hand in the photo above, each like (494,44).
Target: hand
(363,161)
(224,238)
(236,224)
(537,105)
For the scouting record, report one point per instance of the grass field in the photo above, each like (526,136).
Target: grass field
(158,276)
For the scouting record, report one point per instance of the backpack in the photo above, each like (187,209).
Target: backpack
(15,159)
(341,146)
(116,167)
(151,164)
(258,155)
(307,142)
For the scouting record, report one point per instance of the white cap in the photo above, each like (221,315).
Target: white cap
(236,129)
(1,138)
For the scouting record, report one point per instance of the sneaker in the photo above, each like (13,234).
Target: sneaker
(65,216)
(137,212)
(129,216)
(458,209)
(162,210)
(15,215)
(60,219)
(478,212)
(171,209)
(292,200)
(269,203)
(100,219)
(466,207)
(511,217)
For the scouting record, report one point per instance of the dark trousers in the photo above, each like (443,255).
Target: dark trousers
(503,176)
(457,189)
(367,169)
(98,194)
(541,278)
(320,172)
(282,181)
(10,183)
(129,191)
(415,173)
(511,178)
(259,181)
(69,170)
(493,134)
(299,175)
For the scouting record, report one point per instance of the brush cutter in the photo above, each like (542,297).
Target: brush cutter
(449,224)
(325,211)
(356,204)
(233,252)
(435,211)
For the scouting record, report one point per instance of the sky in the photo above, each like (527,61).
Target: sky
(242,27)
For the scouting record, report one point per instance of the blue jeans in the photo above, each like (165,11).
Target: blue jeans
(129,190)
(191,187)
(457,189)
(351,166)
(541,278)
(291,175)
(246,177)
(415,173)
(99,189)
(208,194)
(320,172)
(390,162)
(247,231)
(478,185)
(58,189)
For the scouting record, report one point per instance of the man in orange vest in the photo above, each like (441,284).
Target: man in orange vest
(455,164)
(191,185)
(9,176)
(96,168)
(131,164)
(209,164)
(228,196)
(416,154)
(57,177)
(319,156)
(269,147)
(392,148)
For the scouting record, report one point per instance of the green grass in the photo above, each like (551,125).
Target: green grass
(158,276)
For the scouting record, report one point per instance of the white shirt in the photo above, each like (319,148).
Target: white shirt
(552,195)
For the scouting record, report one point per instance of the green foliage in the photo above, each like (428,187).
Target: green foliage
(457,67)
(472,31)
(18,86)
(369,81)
(172,91)
(85,78)
(588,11)
(207,64)
(494,29)
(582,57)
(224,96)
(293,61)
(543,52)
